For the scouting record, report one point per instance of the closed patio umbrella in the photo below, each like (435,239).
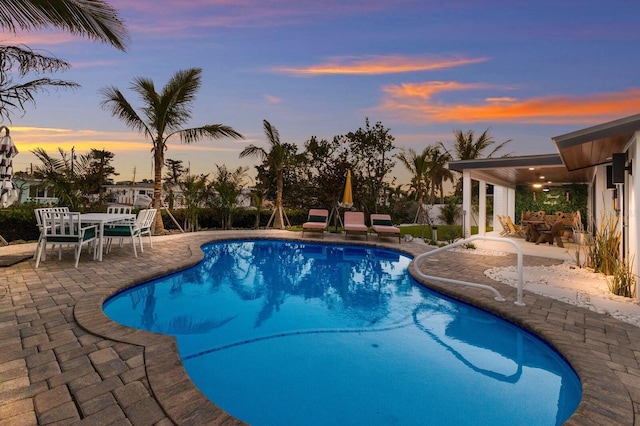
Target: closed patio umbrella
(8,193)
(347,195)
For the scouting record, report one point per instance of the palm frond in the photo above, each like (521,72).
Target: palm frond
(117,105)
(212,131)
(95,19)
(253,151)
(177,97)
(26,60)
(273,136)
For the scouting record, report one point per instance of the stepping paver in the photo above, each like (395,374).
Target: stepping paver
(62,361)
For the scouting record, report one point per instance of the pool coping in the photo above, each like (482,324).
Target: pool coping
(606,398)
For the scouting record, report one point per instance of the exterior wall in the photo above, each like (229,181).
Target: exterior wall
(603,201)
(633,208)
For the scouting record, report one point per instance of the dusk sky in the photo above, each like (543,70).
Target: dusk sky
(528,70)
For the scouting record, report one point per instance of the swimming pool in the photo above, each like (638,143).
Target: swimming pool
(303,333)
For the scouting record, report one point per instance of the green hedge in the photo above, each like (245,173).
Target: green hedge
(19,223)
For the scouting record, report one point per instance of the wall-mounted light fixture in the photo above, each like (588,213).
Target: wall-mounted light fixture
(618,167)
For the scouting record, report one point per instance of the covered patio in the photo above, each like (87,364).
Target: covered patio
(602,157)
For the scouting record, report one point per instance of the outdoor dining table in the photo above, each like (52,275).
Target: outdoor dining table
(101,219)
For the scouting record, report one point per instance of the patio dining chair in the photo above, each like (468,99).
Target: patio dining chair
(65,228)
(134,228)
(146,227)
(129,228)
(39,213)
(119,209)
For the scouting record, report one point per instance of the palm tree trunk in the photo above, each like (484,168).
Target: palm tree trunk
(278,221)
(158,160)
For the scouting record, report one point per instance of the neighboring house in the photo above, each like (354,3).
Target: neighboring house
(128,192)
(605,157)
(244,198)
(33,190)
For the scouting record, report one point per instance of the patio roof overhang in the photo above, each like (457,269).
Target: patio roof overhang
(546,169)
(578,154)
(595,145)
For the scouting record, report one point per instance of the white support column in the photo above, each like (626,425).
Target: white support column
(466,203)
(482,208)
(511,203)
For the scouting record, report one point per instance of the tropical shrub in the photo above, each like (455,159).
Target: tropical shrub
(623,281)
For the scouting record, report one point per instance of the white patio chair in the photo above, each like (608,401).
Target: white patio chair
(40,223)
(133,229)
(64,228)
(125,229)
(119,209)
(145,228)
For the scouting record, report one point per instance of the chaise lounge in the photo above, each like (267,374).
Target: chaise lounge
(354,224)
(317,221)
(383,226)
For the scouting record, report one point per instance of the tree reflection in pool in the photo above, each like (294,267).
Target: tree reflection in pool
(282,332)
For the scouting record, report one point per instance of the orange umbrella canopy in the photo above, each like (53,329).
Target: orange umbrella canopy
(347,195)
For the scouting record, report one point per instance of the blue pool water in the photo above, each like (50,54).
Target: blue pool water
(281,332)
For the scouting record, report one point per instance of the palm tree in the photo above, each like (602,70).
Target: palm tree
(438,172)
(228,184)
(56,173)
(95,19)
(277,160)
(162,117)
(418,166)
(466,148)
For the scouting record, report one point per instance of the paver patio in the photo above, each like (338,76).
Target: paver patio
(63,362)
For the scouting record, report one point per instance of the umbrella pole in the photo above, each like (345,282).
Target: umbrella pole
(336,217)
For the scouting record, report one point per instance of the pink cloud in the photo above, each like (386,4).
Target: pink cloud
(422,103)
(273,99)
(376,65)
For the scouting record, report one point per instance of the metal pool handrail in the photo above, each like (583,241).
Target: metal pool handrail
(498,297)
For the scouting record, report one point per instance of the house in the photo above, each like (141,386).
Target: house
(30,189)
(128,193)
(605,157)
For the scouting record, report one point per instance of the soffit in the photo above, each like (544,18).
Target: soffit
(596,145)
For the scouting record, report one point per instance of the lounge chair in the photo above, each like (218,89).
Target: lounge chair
(505,229)
(317,221)
(354,224)
(515,230)
(383,226)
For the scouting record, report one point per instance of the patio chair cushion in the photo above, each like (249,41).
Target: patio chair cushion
(317,218)
(90,233)
(118,231)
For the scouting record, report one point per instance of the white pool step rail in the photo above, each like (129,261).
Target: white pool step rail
(498,297)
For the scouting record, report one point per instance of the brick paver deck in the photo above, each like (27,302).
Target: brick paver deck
(63,362)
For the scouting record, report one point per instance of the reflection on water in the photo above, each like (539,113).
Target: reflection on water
(245,295)
(352,278)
